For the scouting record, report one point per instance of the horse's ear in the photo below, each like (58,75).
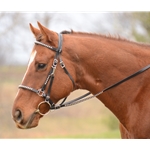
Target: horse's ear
(35,31)
(48,34)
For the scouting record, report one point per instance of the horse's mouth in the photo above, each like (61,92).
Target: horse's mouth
(20,126)
(25,126)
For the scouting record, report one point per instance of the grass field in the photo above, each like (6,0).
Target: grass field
(90,119)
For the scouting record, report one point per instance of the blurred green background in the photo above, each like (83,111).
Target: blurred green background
(90,119)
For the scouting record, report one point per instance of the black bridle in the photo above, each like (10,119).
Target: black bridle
(50,78)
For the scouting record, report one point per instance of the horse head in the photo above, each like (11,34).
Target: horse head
(46,79)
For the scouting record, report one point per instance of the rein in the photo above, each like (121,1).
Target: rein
(50,78)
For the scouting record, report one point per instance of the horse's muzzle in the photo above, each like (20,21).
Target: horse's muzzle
(30,123)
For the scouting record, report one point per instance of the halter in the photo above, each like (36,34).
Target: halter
(50,78)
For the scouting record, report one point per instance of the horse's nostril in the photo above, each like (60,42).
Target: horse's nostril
(18,116)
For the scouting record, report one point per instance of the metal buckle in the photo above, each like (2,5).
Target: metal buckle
(54,66)
(62,64)
(54,63)
(41,93)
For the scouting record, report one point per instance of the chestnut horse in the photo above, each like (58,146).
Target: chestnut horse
(87,61)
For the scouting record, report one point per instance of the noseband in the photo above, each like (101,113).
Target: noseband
(50,78)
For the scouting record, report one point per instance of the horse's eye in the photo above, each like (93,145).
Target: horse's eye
(41,66)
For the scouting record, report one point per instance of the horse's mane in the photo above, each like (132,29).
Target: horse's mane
(109,36)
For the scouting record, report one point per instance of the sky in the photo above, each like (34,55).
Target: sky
(85,22)
(62,21)
(93,22)
(83,16)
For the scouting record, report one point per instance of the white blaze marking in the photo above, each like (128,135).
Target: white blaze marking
(32,57)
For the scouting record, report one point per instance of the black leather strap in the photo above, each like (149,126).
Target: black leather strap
(50,79)
(84,97)
(127,78)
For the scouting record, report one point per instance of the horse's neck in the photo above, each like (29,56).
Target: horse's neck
(103,62)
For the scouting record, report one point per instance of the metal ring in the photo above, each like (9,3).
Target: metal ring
(40,104)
